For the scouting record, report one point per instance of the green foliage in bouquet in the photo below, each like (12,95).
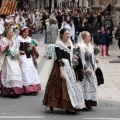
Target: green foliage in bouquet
(12,54)
(76,52)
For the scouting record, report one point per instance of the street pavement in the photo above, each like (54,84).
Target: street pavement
(30,106)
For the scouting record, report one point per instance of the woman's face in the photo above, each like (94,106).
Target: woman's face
(68,18)
(102,29)
(25,33)
(10,33)
(66,35)
(87,38)
(102,18)
(84,20)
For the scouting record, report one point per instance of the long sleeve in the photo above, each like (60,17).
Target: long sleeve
(17,45)
(59,56)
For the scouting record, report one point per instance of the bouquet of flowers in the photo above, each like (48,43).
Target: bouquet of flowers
(5,49)
(96,50)
(33,41)
(75,63)
(75,53)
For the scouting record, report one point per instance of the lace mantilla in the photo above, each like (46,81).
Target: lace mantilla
(63,47)
(74,88)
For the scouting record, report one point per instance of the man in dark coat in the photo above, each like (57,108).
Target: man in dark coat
(117,35)
(61,18)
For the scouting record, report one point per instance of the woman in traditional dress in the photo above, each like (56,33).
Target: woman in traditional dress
(51,36)
(11,77)
(28,57)
(88,59)
(62,90)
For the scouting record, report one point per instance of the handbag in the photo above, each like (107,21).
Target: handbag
(99,75)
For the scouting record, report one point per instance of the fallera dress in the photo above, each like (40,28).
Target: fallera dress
(30,78)
(63,93)
(11,76)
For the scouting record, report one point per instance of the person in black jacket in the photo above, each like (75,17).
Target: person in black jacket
(84,26)
(44,18)
(61,19)
(117,35)
(76,20)
(109,27)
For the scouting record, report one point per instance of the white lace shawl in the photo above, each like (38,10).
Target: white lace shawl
(62,46)
(84,48)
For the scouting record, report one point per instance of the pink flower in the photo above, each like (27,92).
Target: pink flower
(3,47)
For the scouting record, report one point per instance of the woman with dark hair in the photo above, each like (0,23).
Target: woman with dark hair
(11,77)
(109,27)
(62,90)
(83,26)
(44,18)
(117,35)
(28,62)
(68,23)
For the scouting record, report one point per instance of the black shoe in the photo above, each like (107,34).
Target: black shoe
(34,93)
(89,107)
(13,95)
(70,111)
(85,109)
(49,57)
(51,109)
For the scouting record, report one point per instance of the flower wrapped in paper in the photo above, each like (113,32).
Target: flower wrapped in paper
(33,41)
(75,53)
(6,50)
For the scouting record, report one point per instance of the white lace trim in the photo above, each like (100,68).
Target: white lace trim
(63,47)
(74,88)
(12,83)
(89,86)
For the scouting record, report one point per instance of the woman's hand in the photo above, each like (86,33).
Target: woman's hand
(19,61)
(89,71)
(76,57)
(31,45)
(97,61)
(62,74)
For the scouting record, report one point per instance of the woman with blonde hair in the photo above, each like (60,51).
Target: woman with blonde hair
(89,61)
